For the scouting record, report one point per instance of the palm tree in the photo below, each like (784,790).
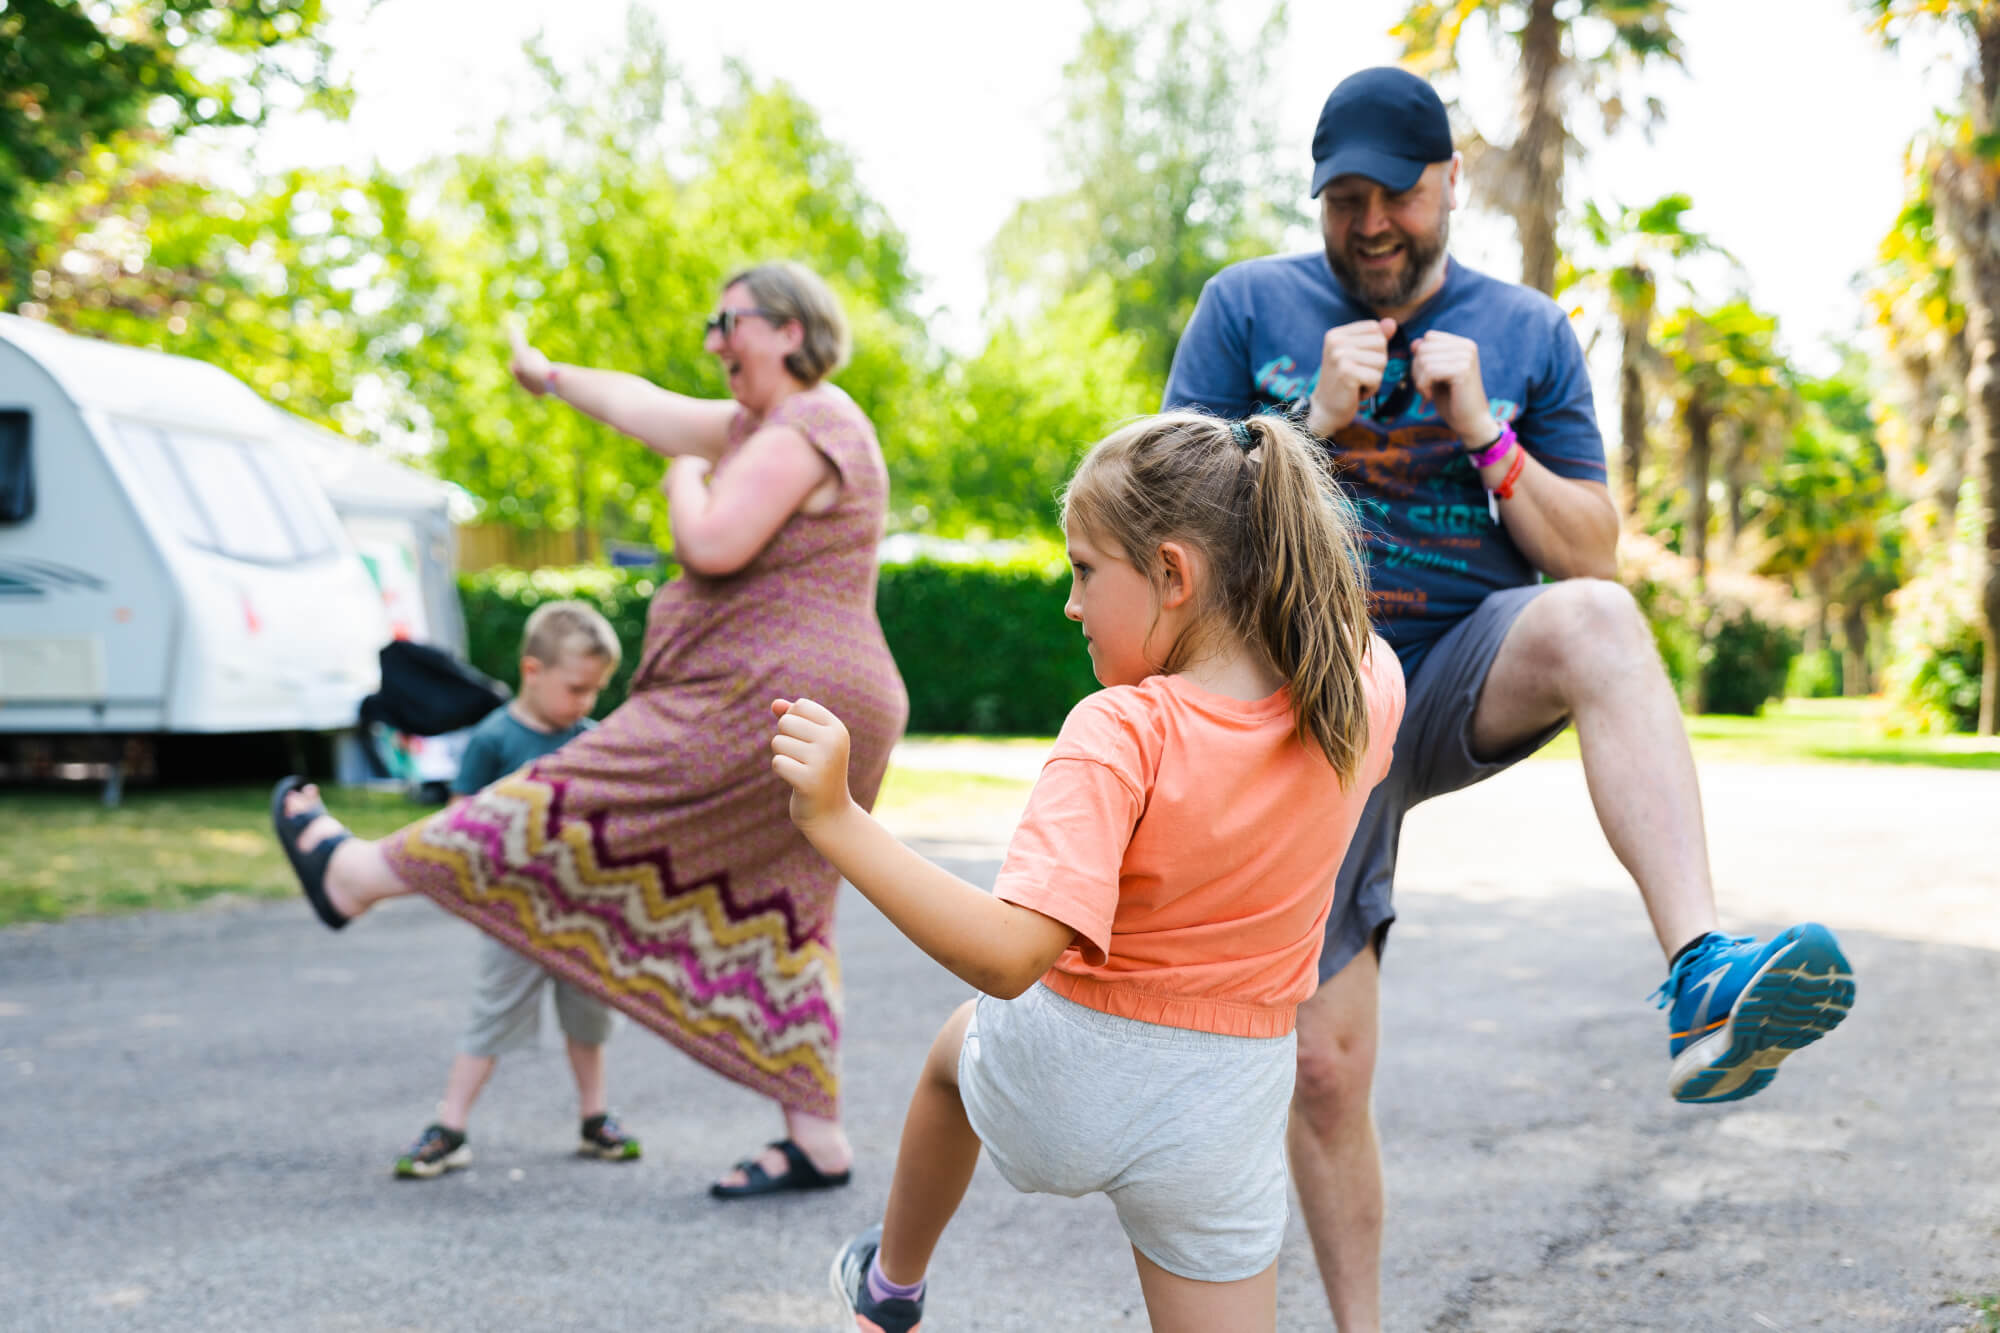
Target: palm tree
(1564,48)
(1634,248)
(1729,376)
(1964,166)
(1922,321)
(1828,520)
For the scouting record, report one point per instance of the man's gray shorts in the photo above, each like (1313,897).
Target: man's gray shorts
(507,1010)
(1433,756)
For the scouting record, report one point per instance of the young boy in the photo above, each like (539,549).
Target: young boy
(568,653)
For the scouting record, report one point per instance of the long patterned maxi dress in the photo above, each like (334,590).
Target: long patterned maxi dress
(651,861)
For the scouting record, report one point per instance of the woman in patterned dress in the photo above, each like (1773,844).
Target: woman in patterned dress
(651,861)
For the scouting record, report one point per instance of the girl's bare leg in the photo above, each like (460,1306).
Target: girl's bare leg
(358,876)
(934,1164)
(1182,1305)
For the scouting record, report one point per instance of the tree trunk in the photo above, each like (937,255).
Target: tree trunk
(1966,186)
(1854,682)
(1700,422)
(1538,152)
(1631,414)
(1733,469)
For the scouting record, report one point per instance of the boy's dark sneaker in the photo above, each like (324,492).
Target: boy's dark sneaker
(436,1151)
(849,1279)
(604,1138)
(1737,1006)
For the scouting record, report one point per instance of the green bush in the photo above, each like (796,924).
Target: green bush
(1818,674)
(1935,649)
(1743,662)
(1727,641)
(982,647)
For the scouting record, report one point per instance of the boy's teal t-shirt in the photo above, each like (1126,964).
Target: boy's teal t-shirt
(502,743)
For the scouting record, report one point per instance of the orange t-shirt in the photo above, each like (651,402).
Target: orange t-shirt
(1191,842)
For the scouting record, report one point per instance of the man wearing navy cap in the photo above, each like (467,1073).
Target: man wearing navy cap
(1457,410)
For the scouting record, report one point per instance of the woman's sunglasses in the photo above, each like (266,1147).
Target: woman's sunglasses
(724,320)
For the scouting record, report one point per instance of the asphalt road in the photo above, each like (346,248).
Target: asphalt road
(198,1112)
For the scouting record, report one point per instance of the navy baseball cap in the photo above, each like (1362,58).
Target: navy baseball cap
(1383,123)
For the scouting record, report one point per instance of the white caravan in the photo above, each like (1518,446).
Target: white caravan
(167,562)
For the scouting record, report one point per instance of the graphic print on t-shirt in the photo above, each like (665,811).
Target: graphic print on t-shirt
(1435,547)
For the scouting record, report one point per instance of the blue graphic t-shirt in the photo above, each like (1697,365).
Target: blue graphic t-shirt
(1435,550)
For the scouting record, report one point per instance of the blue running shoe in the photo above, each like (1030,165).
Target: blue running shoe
(1735,1008)
(849,1279)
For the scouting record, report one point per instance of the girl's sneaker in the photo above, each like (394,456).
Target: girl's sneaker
(1737,1006)
(436,1151)
(849,1280)
(605,1139)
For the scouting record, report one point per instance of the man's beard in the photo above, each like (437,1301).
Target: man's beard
(1421,256)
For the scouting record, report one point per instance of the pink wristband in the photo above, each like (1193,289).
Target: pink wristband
(1497,450)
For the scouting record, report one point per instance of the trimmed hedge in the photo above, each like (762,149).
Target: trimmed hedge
(983,648)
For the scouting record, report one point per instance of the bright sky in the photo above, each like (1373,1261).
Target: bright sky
(1787,130)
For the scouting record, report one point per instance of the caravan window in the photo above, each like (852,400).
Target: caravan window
(226,495)
(226,483)
(17,470)
(160,476)
(287,488)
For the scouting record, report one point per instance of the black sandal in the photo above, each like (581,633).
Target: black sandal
(800,1174)
(310,866)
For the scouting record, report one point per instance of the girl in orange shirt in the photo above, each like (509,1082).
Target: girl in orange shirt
(1160,911)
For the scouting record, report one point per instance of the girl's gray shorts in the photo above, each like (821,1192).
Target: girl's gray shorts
(1184,1130)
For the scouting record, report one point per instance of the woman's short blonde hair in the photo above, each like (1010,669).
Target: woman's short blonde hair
(794,294)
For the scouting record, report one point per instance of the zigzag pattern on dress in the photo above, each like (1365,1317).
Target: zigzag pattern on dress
(734,987)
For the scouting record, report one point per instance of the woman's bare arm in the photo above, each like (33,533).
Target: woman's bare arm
(666,422)
(720,523)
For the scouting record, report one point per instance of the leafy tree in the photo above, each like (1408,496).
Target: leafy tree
(1633,248)
(76,77)
(1011,422)
(281,287)
(1828,518)
(1922,320)
(1726,369)
(1563,50)
(1170,165)
(1963,163)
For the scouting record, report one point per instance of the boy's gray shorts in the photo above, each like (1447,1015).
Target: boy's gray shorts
(1184,1130)
(1433,756)
(507,1008)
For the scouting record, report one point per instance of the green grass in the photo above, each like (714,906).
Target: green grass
(1804,731)
(1987,1308)
(63,854)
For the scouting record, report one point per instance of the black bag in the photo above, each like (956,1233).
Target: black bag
(428,692)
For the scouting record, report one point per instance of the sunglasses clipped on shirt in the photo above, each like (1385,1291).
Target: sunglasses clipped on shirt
(1385,405)
(724,320)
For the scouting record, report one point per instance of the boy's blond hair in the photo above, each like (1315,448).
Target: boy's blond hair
(557,631)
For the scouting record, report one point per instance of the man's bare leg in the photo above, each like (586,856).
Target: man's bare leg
(1335,1155)
(1582,650)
